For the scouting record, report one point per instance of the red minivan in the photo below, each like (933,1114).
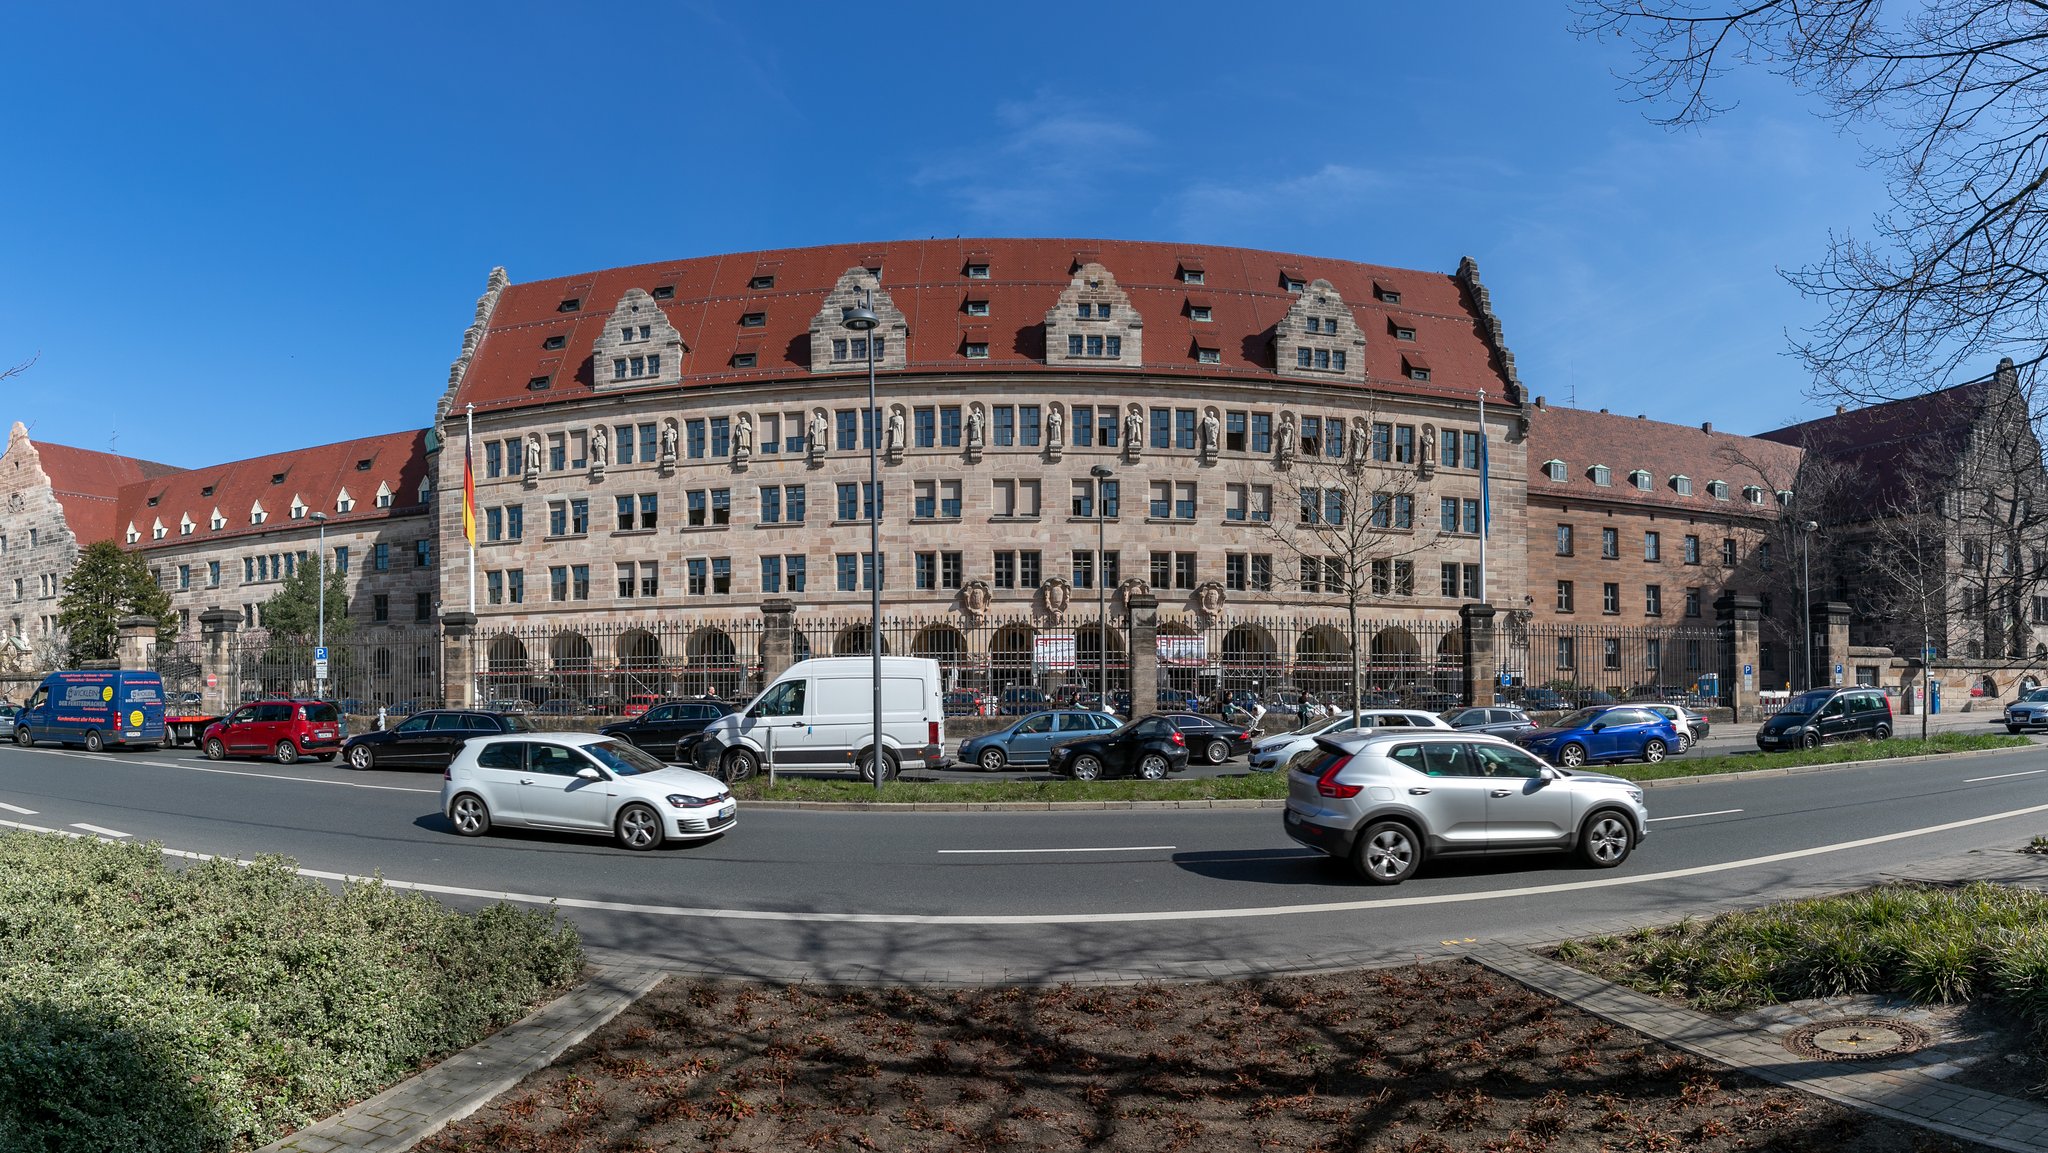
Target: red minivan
(286,730)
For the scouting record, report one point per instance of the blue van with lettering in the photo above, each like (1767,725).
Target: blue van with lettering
(95,708)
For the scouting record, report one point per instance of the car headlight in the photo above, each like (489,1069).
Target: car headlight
(681,801)
(1636,795)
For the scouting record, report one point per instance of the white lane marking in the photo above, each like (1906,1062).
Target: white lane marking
(1114,918)
(1690,816)
(1112,849)
(114,833)
(17,809)
(244,773)
(2003,776)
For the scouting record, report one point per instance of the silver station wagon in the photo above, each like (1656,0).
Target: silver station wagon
(1386,801)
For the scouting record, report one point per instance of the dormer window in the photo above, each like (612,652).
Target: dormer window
(1682,485)
(554,342)
(977,272)
(383,496)
(157,531)
(1199,313)
(757,283)
(1554,469)
(1386,293)
(1293,283)
(1193,276)
(344,502)
(977,350)
(668,291)
(185,525)
(743,360)
(977,308)
(298,509)
(207,491)
(1601,476)
(1784,498)
(747,320)
(1639,479)
(133,535)
(217,521)
(1208,355)
(573,304)
(363,465)
(1752,494)
(277,478)
(1718,489)
(537,384)
(154,499)
(256,513)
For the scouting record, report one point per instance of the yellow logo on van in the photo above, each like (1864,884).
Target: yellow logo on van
(135,719)
(107,694)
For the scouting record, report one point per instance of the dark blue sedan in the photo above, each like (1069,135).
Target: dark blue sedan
(1029,742)
(1603,733)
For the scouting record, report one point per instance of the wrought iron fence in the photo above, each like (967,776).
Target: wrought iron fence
(389,667)
(183,674)
(1406,660)
(1563,664)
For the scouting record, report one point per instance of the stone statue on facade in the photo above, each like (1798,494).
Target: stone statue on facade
(668,442)
(1211,436)
(1285,439)
(533,458)
(1055,432)
(743,439)
(814,444)
(894,445)
(974,432)
(599,446)
(1134,431)
(1428,457)
(1361,442)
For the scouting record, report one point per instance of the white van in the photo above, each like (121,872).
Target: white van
(821,714)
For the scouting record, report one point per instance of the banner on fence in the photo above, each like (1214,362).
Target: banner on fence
(1184,650)
(1052,651)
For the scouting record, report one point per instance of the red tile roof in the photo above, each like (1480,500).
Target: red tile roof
(928,281)
(1889,445)
(87,485)
(315,475)
(1582,439)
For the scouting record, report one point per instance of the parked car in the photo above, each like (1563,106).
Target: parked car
(1210,740)
(95,709)
(1435,700)
(1272,754)
(509,705)
(426,740)
(1819,715)
(408,707)
(1692,727)
(1029,741)
(820,714)
(1674,694)
(1603,733)
(2030,711)
(637,704)
(668,729)
(1499,720)
(351,707)
(1148,748)
(1538,699)
(582,783)
(1020,700)
(1387,801)
(7,713)
(969,703)
(286,730)
(561,707)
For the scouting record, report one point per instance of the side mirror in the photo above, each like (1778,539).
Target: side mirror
(755,714)
(1595,727)
(586,773)
(1549,774)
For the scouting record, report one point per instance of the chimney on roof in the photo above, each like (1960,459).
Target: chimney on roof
(1603,410)
(1707,426)
(1640,416)
(1839,410)
(1539,402)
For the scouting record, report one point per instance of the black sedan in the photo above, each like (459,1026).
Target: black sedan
(1148,748)
(1499,720)
(426,740)
(1210,740)
(667,730)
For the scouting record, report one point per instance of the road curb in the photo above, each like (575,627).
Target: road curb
(1800,770)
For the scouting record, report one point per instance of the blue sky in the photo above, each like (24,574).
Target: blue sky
(232,229)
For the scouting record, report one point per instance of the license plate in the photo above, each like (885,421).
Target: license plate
(725,811)
(1293,818)
(324,735)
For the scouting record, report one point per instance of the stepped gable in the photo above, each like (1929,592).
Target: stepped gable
(1892,444)
(88,484)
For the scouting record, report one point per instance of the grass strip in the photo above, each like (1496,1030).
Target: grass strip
(1274,785)
(213,1007)
(1977,941)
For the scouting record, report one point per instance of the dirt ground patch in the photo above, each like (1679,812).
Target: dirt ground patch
(1422,1059)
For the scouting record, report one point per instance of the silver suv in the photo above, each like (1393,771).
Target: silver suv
(1386,800)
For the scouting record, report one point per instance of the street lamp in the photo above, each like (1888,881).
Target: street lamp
(1806,596)
(320,630)
(1102,473)
(861,318)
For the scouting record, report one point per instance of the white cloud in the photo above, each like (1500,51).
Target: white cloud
(1044,160)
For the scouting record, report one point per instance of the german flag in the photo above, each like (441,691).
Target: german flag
(468,499)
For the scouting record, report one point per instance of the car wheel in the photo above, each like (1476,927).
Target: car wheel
(1809,740)
(739,765)
(1685,742)
(362,757)
(215,750)
(1881,732)
(866,764)
(23,738)
(1606,840)
(1152,767)
(93,741)
(471,816)
(993,760)
(1217,752)
(1653,751)
(1572,756)
(287,752)
(1087,767)
(639,827)
(1387,853)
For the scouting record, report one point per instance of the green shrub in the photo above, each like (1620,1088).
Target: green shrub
(273,999)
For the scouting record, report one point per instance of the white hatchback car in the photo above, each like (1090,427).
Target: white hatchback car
(582,783)
(1273,754)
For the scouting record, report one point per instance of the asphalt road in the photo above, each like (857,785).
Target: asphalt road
(1033,893)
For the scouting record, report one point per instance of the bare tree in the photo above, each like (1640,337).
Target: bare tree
(1950,101)
(17,370)
(1786,561)
(1347,526)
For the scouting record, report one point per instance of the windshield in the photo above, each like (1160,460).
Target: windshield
(515,724)
(1577,720)
(2036,695)
(623,759)
(1806,703)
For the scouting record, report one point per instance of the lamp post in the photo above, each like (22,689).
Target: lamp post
(1806,527)
(1102,473)
(320,612)
(861,318)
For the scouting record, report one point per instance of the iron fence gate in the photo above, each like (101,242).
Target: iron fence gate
(394,668)
(1560,665)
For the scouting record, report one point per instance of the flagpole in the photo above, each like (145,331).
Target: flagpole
(469,496)
(1486,513)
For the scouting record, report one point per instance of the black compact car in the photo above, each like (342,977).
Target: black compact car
(668,729)
(1149,747)
(1211,740)
(1819,715)
(426,740)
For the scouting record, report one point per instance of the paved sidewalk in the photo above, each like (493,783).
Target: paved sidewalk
(413,1110)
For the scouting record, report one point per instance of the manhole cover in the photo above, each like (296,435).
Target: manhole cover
(1856,1039)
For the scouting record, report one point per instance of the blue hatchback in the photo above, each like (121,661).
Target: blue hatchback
(1603,733)
(1029,742)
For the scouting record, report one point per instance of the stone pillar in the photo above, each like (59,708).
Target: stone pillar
(458,660)
(778,638)
(1482,665)
(1831,644)
(136,642)
(220,672)
(1143,609)
(1739,614)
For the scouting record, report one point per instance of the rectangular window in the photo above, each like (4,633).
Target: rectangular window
(927,427)
(1692,602)
(1027,425)
(648,439)
(1447,514)
(1610,544)
(1692,550)
(380,557)
(1653,600)
(1451,455)
(494,588)
(558,452)
(1653,546)
(1404,444)
(793,503)
(1566,653)
(698,571)
(1082,569)
(1162,428)
(1610,653)
(558,582)
(1006,570)
(949,499)
(794,571)
(771,504)
(1084,426)
(1564,540)
(1004,425)
(1472,450)
(1234,425)
(626,571)
(721,436)
(622,436)
(1184,428)
(1262,432)
(924,574)
(515,458)
(380,607)
(952,570)
(1564,596)
(1183,570)
(698,507)
(422,554)
(721,574)
(1162,500)
(1447,580)
(949,426)
(1610,597)
(771,574)
(694,439)
(1728,551)
(848,426)
(627,513)
(1106,427)
(1236,571)
(1311,436)
(1184,501)
(1404,509)
(493,460)
(1472,517)
(849,501)
(1162,570)
(1030,568)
